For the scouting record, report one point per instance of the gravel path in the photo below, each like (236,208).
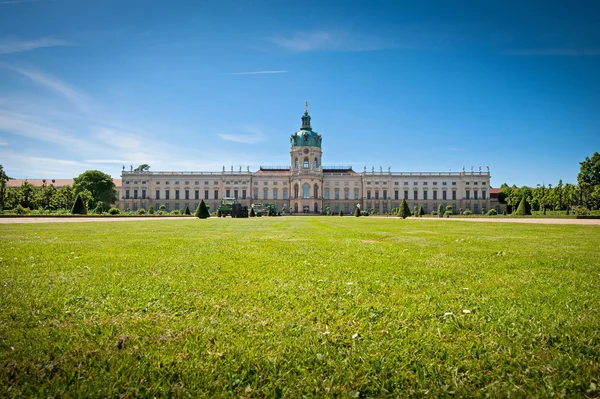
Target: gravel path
(450,220)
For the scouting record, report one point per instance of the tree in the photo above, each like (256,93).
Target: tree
(3,180)
(588,179)
(202,211)
(357,212)
(63,198)
(187,210)
(404,211)
(252,213)
(99,184)
(523,208)
(142,168)
(79,207)
(421,211)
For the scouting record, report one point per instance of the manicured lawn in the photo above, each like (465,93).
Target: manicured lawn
(285,307)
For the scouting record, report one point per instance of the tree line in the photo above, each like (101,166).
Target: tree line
(560,197)
(93,186)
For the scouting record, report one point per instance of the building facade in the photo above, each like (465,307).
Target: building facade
(306,186)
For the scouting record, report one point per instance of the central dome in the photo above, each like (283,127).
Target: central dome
(306,137)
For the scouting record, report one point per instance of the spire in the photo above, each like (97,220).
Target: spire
(306,119)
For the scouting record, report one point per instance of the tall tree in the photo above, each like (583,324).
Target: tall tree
(3,180)
(588,179)
(99,184)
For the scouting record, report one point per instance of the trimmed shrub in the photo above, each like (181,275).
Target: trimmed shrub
(404,212)
(162,208)
(467,212)
(159,212)
(434,213)
(187,210)
(504,212)
(79,207)
(421,211)
(114,211)
(141,211)
(440,210)
(19,210)
(450,209)
(492,212)
(175,212)
(151,210)
(341,213)
(252,213)
(202,211)
(448,214)
(523,208)
(357,212)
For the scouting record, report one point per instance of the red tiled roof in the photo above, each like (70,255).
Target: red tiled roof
(55,182)
(495,190)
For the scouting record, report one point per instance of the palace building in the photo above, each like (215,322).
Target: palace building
(306,186)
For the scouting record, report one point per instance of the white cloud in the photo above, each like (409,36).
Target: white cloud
(59,87)
(27,126)
(10,45)
(252,136)
(332,41)
(557,52)
(254,73)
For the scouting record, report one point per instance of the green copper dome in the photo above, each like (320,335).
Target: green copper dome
(305,137)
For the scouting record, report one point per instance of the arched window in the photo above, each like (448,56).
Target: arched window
(296,163)
(315,164)
(306,190)
(296,190)
(316,191)
(305,163)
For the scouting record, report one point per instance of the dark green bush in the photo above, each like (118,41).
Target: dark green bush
(151,210)
(492,212)
(467,212)
(187,210)
(404,211)
(357,212)
(202,211)
(141,211)
(79,207)
(114,211)
(421,211)
(523,208)
(341,213)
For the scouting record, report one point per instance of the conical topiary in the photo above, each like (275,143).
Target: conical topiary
(252,213)
(523,208)
(202,211)
(404,211)
(79,207)
(357,212)
(421,211)
(187,210)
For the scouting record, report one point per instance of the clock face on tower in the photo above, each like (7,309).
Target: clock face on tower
(306,150)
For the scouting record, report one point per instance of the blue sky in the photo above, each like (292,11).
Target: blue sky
(195,85)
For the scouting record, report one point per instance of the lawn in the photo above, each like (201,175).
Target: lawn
(293,306)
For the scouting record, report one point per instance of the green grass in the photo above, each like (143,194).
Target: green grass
(304,306)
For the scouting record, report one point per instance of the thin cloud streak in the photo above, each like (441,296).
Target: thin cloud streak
(330,41)
(254,73)
(56,85)
(241,138)
(554,52)
(13,45)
